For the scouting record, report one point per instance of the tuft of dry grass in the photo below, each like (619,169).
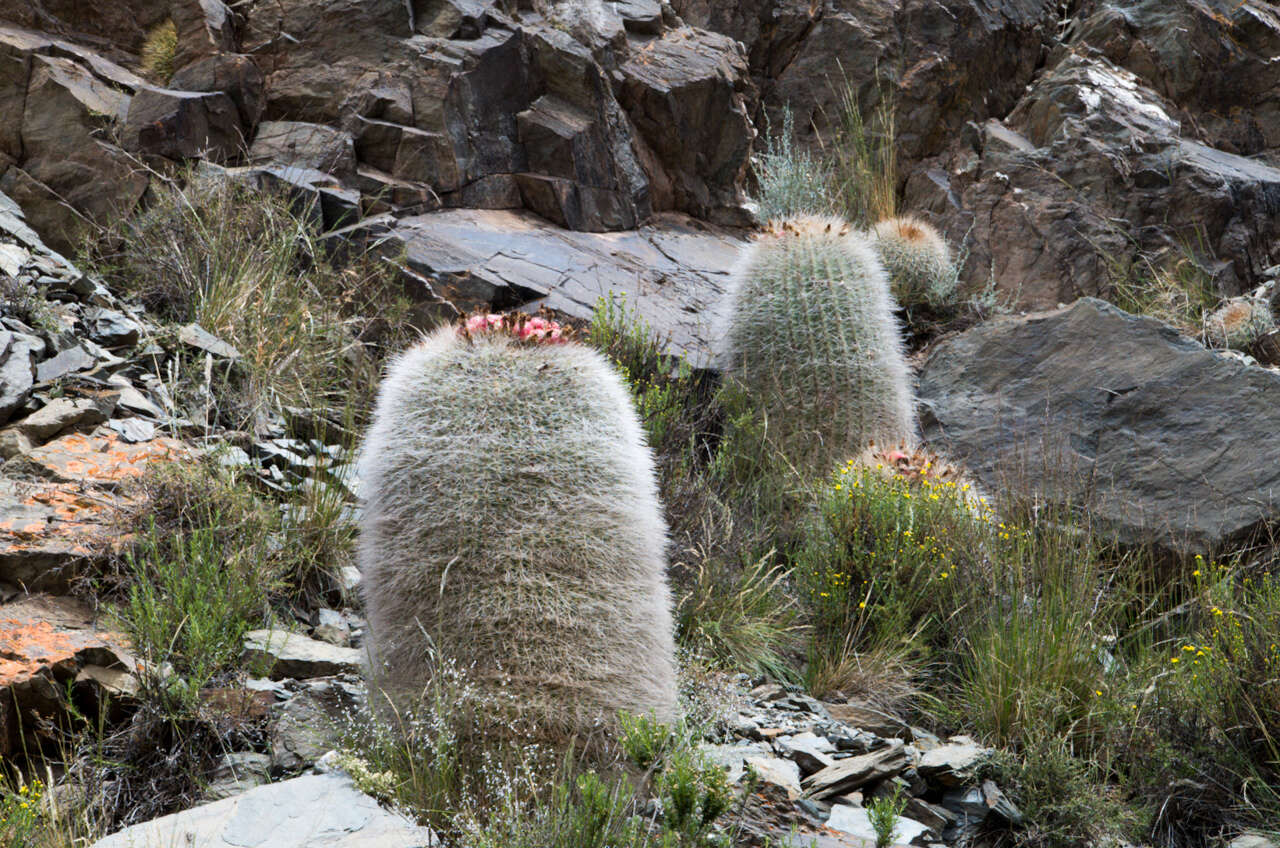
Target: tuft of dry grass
(862,156)
(249,267)
(159,51)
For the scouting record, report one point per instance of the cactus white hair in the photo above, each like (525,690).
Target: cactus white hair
(918,261)
(812,339)
(511,517)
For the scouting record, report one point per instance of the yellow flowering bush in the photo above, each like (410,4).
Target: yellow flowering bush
(21,814)
(1215,701)
(885,550)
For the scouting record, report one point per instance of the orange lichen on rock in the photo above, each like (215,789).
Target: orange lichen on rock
(41,632)
(27,646)
(102,458)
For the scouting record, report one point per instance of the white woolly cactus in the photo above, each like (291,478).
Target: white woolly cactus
(511,523)
(1239,322)
(813,342)
(918,261)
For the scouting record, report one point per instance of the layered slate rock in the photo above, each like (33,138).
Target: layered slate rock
(292,655)
(315,809)
(1162,439)
(673,271)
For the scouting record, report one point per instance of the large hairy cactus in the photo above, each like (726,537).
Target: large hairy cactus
(511,525)
(812,343)
(918,261)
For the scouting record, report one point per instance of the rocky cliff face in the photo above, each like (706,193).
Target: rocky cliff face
(1056,140)
(593,121)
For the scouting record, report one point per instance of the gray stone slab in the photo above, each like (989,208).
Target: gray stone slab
(305,812)
(673,271)
(295,655)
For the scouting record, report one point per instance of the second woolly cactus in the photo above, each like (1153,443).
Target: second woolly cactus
(511,527)
(918,262)
(812,342)
(1239,322)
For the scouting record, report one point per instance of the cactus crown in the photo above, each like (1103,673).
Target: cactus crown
(1239,323)
(812,339)
(511,515)
(918,261)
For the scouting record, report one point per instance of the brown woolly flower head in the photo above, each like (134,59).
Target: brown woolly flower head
(806,225)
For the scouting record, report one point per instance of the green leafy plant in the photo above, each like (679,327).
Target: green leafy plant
(881,561)
(188,607)
(884,813)
(694,795)
(645,740)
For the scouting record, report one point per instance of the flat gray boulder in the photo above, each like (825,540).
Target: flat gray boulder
(1170,443)
(305,812)
(673,271)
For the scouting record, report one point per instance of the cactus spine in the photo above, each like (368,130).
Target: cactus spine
(511,518)
(813,341)
(918,262)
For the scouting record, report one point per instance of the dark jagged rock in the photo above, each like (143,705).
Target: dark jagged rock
(56,130)
(205,28)
(1214,61)
(183,125)
(237,76)
(44,644)
(1089,170)
(690,98)
(301,145)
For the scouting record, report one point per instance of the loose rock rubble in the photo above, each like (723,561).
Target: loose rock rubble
(821,770)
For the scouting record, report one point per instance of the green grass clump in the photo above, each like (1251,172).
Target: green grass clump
(862,156)
(740,616)
(1179,292)
(1065,798)
(790,181)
